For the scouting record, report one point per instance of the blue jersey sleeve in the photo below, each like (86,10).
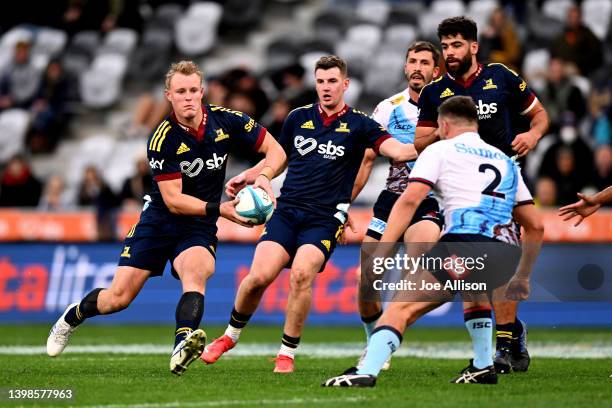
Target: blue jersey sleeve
(428,109)
(161,153)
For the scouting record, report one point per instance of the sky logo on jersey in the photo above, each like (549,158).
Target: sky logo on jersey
(486,110)
(156,164)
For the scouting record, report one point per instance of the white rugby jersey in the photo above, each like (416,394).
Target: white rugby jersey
(478,184)
(399,115)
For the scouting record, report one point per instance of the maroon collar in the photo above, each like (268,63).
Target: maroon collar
(327,120)
(467,83)
(198,133)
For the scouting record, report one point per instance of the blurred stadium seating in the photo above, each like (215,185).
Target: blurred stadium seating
(110,68)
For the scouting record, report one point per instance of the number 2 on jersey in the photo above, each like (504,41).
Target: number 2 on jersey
(490,189)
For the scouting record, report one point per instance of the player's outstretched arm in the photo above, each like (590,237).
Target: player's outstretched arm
(364,173)
(398,151)
(403,211)
(525,142)
(529,218)
(184,204)
(586,206)
(424,136)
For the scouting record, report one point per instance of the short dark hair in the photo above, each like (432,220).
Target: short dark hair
(332,61)
(458,25)
(460,107)
(419,46)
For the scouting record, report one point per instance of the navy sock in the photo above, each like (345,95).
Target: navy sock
(189,313)
(88,307)
(503,336)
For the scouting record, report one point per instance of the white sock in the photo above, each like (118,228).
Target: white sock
(287,351)
(233,333)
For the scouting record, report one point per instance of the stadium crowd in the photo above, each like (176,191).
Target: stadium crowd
(558,46)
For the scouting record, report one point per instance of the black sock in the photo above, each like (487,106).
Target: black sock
(517,328)
(291,342)
(239,320)
(87,308)
(504,336)
(189,313)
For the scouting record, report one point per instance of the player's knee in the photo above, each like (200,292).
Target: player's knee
(258,281)
(301,277)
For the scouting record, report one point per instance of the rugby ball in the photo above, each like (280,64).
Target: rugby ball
(255,205)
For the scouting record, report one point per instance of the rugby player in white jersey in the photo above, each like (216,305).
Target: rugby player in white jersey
(475,212)
(399,115)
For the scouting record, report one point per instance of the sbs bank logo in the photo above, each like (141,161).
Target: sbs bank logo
(328,150)
(192,169)
(486,110)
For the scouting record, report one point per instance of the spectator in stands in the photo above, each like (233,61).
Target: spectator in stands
(49,112)
(151,108)
(561,97)
(100,15)
(242,102)
(20,81)
(18,186)
(242,81)
(546,192)
(276,115)
(566,178)
(294,89)
(94,191)
(54,197)
(137,186)
(499,40)
(600,107)
(216,92)
(603,167)
(578,44)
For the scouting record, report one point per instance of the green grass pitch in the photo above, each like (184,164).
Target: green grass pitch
(119,380)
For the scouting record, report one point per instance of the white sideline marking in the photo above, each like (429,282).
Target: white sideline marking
(223,403)
(442,350)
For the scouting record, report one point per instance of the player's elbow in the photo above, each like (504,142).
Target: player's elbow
(172,204)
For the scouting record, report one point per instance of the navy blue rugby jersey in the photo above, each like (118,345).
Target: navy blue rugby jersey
(499,94)
(198,156)
(324,154)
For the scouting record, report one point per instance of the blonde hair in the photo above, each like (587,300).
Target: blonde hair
(185,68)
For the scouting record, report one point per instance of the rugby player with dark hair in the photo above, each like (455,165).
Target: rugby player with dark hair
(501,96)
(325,143)
(472,216)
(399,114)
